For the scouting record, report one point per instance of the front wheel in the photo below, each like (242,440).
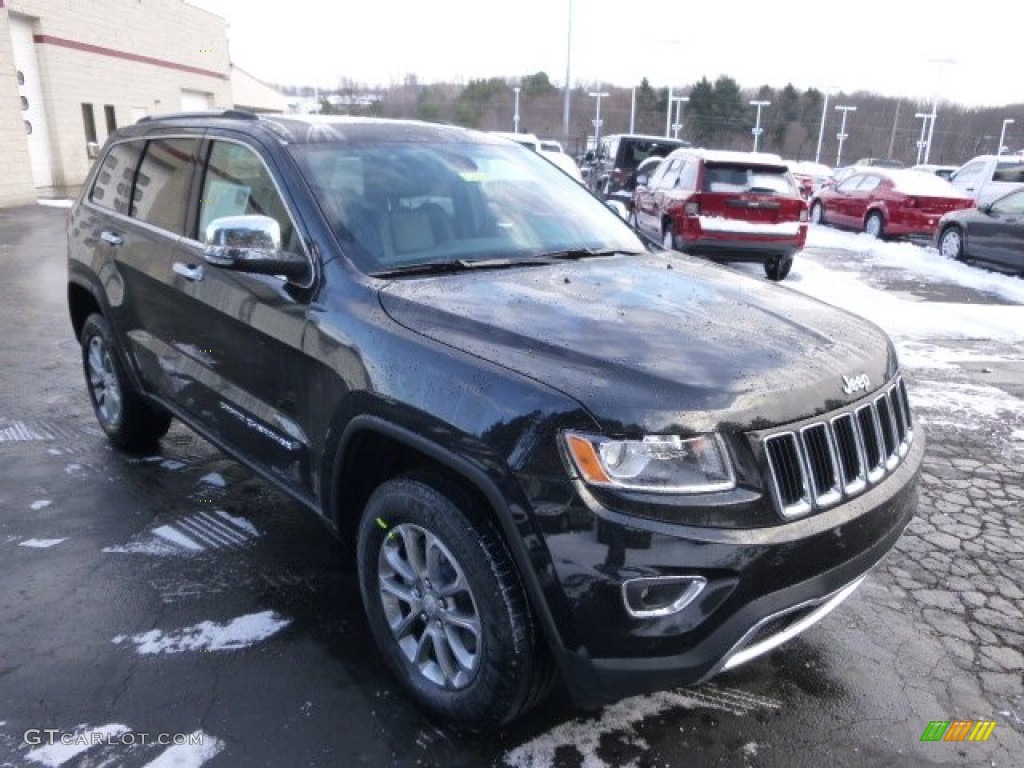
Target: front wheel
(874,225)
(129,421)
(817,212)
(951,244)
(777,267)
(446,606)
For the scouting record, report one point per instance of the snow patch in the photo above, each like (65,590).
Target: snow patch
(214,478)
(750,749)
(74,469)
(210,636)
(59,203)
(586,735)
(54,451)
(240,522)
(188,755)
(41,543)
(171,464)
(83,739)
(35,506)
(143,548)
(959,404)
(720,224)
(904,319)
(175,537)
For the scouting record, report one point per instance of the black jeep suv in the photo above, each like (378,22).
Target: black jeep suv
(553,449)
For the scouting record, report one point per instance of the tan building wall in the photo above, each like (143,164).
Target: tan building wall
(137,56)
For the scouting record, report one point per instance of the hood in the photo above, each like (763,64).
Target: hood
(652,343)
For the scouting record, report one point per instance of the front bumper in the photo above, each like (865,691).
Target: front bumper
(764,586)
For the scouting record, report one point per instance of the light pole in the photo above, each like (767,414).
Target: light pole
(678,124)
(568,62)
(828,90)
(924,117)
(842,135)
(597,117)
(515,117)
(1002,134)
(935,104)
(757,130)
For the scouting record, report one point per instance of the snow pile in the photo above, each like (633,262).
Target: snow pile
(83,738)
(210,636)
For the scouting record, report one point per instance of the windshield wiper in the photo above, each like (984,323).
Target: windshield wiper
(456,265)
(572,254)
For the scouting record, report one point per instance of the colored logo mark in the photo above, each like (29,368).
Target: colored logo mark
(958,730)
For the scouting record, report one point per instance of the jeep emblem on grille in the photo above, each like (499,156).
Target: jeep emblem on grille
(853,384)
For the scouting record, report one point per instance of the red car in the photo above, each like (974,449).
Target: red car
(728,206)
(888,203)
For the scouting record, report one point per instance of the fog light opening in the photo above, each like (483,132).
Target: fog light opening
(652,597)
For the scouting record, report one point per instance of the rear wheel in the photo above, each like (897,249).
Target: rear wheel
(777,267)
(951,244)
(817,212)
(446,606)
(129,421)
(874,225)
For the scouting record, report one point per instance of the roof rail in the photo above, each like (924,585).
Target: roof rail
(224,114)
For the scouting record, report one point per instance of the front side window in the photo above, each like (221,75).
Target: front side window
(688,176)
(1011,205)
(405,204)
(868,184)
(237,183)
(667,179)
(969,172)
(163,183)
(850,184)
(112,188)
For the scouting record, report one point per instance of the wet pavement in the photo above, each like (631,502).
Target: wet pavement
(178,598)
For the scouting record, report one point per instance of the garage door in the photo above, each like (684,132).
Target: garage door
(30,89)
(195,101)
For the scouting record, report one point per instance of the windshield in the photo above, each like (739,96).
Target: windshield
(394,205)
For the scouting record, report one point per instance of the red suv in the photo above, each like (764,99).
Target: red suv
(729,206)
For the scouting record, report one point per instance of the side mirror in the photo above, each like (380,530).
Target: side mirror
(250,244)
(618,207)
(986,208)
(589,157)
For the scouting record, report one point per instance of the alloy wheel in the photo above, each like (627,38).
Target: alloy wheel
(429,606)
(106,390)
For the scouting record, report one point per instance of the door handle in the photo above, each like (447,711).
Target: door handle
(188,271)
(111,238)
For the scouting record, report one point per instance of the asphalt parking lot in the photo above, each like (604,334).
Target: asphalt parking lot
(177,596)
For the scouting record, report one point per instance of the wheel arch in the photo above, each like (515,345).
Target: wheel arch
(82,302)
(367,438)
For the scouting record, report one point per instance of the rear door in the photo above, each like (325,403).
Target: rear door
(1007,176)
(650,199)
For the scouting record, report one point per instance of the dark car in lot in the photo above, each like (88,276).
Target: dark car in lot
(888,203)
(552,449)
(728,206)
(992,233)
(613,168)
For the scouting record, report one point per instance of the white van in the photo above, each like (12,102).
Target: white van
(987,177)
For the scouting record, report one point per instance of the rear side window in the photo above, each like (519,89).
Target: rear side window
(868,183)
(688,176)
(163,183)
(112,188)
(1009,172)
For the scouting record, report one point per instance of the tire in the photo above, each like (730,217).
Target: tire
(951,243)
(467,651)
(130,422)
(817,212)
(668,238)
(874,225)
(777,267)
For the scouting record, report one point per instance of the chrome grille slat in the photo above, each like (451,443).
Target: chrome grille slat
(825,461)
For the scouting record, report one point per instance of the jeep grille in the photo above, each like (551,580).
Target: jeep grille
(825,461)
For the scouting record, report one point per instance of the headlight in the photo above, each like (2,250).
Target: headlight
(661,463)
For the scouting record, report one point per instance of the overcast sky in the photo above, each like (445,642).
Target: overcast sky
(878,45)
